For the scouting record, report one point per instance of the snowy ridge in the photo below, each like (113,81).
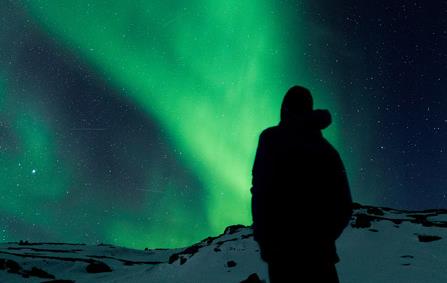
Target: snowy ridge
(393,246)
(381,245)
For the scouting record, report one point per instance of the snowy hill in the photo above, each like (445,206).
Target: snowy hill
(381,245)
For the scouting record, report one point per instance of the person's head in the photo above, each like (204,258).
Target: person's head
(297,101)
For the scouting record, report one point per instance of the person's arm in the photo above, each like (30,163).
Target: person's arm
(342,199)
(258,190)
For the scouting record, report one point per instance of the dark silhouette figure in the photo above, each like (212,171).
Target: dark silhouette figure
(301,200)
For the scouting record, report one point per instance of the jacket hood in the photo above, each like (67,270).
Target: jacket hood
(318,119)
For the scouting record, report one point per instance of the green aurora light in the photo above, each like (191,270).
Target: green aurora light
(212,73)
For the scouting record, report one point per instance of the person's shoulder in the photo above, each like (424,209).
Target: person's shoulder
(330,148)
(269,132)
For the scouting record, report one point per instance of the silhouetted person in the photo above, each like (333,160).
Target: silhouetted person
(301,200)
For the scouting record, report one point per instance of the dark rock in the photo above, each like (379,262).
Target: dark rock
(407,256)
(420,218)
(97,267)
(233,229)
(362,221)
(191,250)
(188,251)
(59,281)
(427,223)
(48,243)
(173,258)
(375,211)
(220,243)
(12,266)
(44,250)
(428,238)
(209,240)
(373,230)
(217,250)
(231,263)
(182,260)
(253,278)
(37,272)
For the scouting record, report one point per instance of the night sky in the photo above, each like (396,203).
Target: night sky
(136,122)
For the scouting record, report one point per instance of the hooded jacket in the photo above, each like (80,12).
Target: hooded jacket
(299,184)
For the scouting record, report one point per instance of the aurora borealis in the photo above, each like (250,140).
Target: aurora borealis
(136,123)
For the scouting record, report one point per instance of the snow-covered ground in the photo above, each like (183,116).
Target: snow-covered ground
(380,246)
